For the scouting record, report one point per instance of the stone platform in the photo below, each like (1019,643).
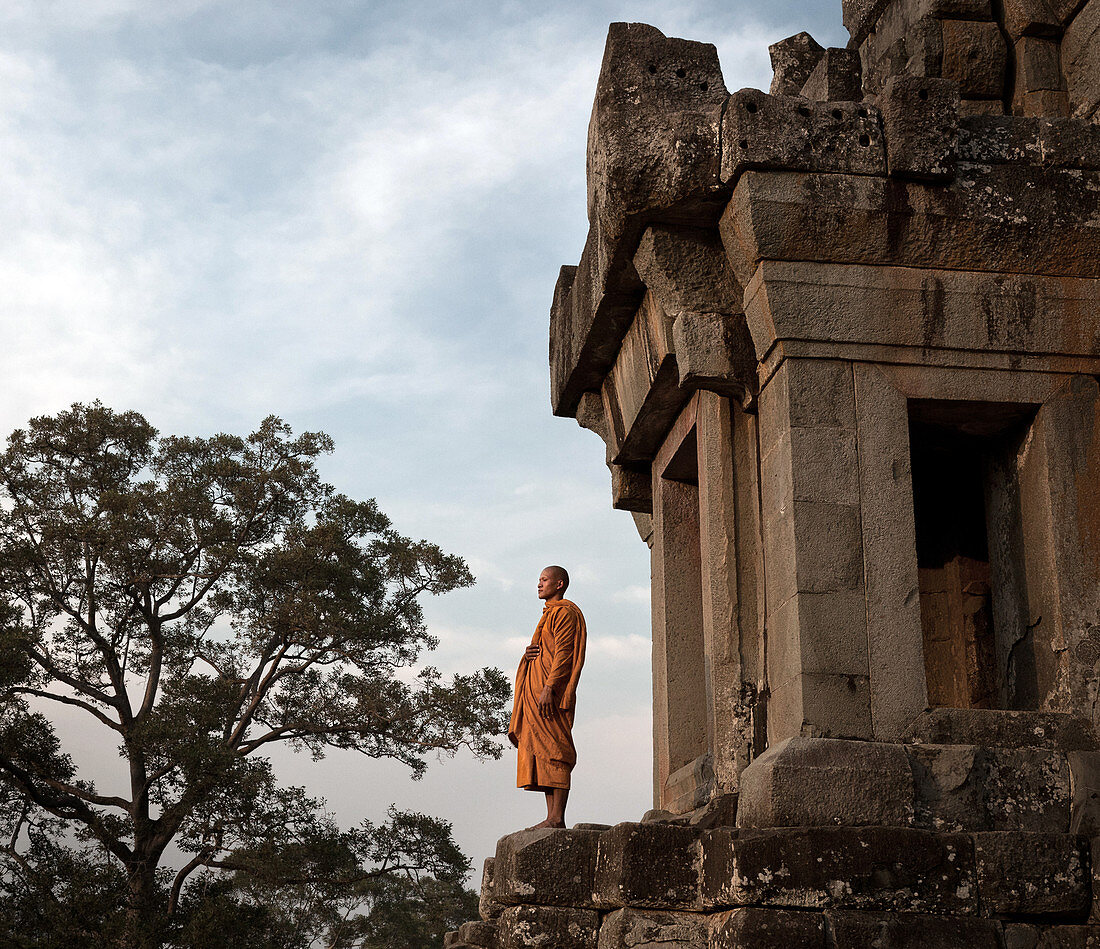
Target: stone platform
(978,832)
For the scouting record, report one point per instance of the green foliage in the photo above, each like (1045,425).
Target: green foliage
(203,600)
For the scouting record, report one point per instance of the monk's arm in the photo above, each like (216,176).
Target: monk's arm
(564,629)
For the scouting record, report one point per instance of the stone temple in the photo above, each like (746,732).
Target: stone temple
(842,343)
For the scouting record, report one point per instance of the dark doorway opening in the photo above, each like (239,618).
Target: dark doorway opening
(966,510)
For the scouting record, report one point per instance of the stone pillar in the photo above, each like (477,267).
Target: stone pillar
(816,619)
(731,720)
(1060,514)
(895,647)
(680,718)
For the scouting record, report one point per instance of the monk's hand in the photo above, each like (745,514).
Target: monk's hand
(532,652)
(545,702)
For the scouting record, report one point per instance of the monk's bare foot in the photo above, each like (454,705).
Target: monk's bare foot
(558,825)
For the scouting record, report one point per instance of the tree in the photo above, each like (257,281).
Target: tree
(202,601)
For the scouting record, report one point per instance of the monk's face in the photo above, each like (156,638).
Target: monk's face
(549,585)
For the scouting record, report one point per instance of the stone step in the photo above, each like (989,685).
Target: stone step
(776,928)
(1002,874)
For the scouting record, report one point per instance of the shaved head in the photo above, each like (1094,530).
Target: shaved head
(559,573)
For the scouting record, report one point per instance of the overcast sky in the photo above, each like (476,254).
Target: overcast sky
(351,214)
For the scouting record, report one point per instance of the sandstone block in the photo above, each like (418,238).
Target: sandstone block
(648,865)
(852,930)
(815,781)
(1046,103)
(653,137)
(920,118)
(762,131)
(546,867)
(868,868)
(793,60)
(488,907)
(714,351)
(1001,728)
(860,17)
(451,939)
(969,107)
(821,705)
(846,138)
(788,133)
(484,935)
(1084,774)
(767,928)
(836,77)
(1038,65)
(1032,874)
(974,56)
(652,929)
(548,927)
(720,811)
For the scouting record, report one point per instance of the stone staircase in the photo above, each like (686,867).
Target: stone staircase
(976,832)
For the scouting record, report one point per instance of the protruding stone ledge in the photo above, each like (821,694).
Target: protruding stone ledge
(805,782)
(1003,728)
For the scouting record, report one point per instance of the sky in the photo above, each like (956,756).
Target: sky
(351,214)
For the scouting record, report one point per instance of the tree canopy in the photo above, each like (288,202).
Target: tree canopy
(203,601)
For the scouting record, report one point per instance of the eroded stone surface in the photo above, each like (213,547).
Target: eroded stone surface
(910,931)
(880,868)
(548,927)
(767,928)
(651,929)
(1032,874)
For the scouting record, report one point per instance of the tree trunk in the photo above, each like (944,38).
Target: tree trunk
(143,911)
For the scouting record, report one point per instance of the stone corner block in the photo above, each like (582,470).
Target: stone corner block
(546,867)
(484,935)
(488,908)
(823,781)
(653,865)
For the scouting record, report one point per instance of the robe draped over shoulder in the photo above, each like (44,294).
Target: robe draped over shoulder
(546,751)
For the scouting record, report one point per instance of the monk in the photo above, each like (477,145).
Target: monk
(545,695)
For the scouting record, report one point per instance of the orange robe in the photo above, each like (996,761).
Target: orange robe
(545,745)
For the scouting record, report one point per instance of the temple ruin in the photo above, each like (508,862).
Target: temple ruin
(842,343)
